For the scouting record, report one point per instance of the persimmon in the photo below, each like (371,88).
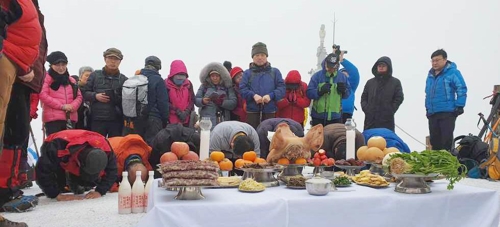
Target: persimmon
(259,160)
(250,156)
(239,163)
(283,161)
(300,161)
(217,156)
(226,165)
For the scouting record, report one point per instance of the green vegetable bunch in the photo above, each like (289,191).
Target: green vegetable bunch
(427,162)
(343,180)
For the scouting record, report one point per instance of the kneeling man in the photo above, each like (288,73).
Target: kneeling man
(132,154)
(85,156)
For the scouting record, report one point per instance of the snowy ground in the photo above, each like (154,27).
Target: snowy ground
(104,211)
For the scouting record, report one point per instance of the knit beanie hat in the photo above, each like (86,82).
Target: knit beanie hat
(57,57)
(228,65)
(259,48)
(93,160)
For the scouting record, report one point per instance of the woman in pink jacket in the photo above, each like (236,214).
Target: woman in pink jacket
(60,96)
(180,94)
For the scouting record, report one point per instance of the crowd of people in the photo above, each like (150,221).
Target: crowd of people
(100,123)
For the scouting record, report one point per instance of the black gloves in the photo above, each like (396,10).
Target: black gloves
(325,89)
(182,114)
(341,88)
(459,111)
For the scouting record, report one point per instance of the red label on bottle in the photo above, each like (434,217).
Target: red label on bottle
(124,202)
(137,200)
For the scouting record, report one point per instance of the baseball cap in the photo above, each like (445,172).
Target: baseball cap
(332,60)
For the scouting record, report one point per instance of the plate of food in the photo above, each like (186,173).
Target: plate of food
(261,167)
(296,182)
(373,185)
(342,181)
(365,178)
(228,182)
(251,186)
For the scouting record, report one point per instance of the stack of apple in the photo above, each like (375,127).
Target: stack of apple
(179,151)
(320,159)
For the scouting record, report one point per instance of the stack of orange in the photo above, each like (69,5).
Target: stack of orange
(298,161)
(248,157)
(221,160)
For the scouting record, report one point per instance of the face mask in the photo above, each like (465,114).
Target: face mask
(178,82)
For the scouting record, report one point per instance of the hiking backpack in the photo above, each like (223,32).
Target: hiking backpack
(471,151)
(135,97)
(492,166)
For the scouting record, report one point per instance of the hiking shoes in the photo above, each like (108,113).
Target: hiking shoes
(7,223)
(21,204)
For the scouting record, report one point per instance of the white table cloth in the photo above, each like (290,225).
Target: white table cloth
(353,206)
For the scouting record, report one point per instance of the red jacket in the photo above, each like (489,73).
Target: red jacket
(292,106)
(34,99)
(23,36)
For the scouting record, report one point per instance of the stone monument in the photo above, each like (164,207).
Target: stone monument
(321,51)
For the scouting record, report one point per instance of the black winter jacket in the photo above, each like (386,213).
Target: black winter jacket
(99,82)
(381,98)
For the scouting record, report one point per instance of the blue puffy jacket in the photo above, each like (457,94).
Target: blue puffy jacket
(392,139)
(263,82)
(352,70)
(446,91)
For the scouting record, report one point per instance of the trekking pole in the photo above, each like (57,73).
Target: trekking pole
(69,125)
(34,141)
(494,111)
(481,118)
(261,108)
(326,109)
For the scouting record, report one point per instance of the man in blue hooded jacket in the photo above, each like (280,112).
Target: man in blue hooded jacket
(326,89)
(445,96)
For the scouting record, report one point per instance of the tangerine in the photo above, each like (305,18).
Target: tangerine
(259,160)
(250,156)
(283,161)
(217,156)
(300,161)
(226,165)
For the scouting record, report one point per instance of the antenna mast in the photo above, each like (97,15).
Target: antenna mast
(334,21)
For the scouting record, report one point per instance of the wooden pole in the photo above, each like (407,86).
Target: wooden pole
(428,145)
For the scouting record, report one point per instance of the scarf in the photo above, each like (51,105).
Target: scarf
(58,79)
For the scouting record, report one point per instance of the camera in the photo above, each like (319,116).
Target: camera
(337,50)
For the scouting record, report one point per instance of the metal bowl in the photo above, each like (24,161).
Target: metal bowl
(318,186)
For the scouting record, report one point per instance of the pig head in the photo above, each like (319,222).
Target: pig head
(285,144)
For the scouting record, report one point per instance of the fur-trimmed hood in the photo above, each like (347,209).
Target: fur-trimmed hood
(215,66)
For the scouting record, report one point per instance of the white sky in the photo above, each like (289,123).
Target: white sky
(199,32)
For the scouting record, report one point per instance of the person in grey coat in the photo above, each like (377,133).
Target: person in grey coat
(234,137)
(270,125)
(215,97)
